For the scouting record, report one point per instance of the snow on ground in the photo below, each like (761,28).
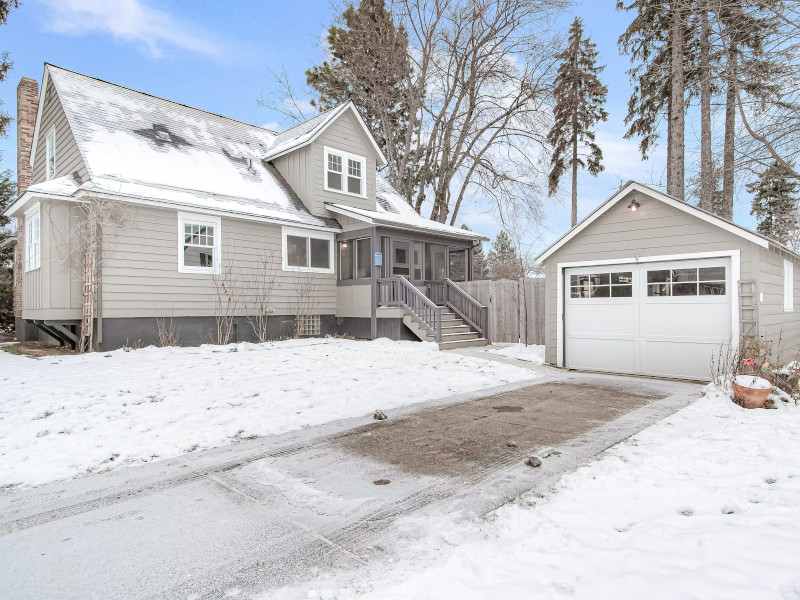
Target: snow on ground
(534,354)
(66,415)
(705,504)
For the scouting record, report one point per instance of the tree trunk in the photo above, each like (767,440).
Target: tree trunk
(730,133)
(574,169)
(706,158)
(675,169)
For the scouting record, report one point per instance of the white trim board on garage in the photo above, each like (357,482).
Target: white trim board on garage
(669,200)
(732,286)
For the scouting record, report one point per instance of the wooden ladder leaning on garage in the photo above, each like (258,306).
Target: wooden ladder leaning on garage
(748,310)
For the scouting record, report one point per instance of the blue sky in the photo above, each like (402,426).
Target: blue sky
(216,56)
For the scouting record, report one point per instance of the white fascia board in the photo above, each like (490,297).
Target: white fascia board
(42,93)
(27,197)
(683,206)
(340,210)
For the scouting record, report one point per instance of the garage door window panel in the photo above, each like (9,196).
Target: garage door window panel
(602,285)
(703,281)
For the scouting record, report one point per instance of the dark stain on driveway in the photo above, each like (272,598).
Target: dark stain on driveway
(464,439)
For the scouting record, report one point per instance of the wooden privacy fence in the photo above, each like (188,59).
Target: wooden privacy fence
(516,308)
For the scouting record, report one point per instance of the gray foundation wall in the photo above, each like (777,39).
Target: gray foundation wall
(193,331)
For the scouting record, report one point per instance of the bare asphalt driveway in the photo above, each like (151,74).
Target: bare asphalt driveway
(267,512)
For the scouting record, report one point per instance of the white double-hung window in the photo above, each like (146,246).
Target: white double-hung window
(33,243)
(199,238)
(344,172)
(50,154)
(308,251)
(788,286)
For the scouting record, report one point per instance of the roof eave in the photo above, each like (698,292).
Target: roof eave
(314,134)
(377,220)
(633,185)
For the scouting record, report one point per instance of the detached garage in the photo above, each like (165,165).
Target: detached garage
(650,285)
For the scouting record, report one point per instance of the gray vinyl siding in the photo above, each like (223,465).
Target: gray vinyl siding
(779,327)
(68,157)
(655,229)
(141,278)
(304,169)
(53,291)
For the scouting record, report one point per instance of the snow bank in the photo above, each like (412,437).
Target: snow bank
(534,354)
(705,504)
(62,416)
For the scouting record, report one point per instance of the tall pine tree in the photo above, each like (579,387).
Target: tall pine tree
(503,261)
(579,97)
(370,66)
(775,200)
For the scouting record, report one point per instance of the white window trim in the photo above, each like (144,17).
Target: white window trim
(345,157)
(200,219)
(50,135)
(734,255)
(29,215)
(308,233)
(788,286)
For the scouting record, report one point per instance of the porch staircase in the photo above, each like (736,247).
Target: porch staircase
(456,333)
(447,315)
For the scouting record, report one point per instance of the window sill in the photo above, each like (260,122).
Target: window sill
(308,270)
(198,271)
(32,269)
(345,193)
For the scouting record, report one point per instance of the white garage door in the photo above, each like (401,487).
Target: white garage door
(666,319)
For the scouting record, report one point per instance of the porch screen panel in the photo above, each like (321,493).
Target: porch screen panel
(346,260)
(435,262)
(458,265)
(363,258)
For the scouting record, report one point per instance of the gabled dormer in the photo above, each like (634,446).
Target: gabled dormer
(332,159)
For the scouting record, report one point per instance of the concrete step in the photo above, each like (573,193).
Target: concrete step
(455,337)
(463,344)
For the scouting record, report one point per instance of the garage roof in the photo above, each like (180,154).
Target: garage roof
(751,236)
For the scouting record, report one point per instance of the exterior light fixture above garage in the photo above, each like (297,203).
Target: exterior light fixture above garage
(633,205)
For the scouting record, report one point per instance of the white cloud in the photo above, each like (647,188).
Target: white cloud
(128,21)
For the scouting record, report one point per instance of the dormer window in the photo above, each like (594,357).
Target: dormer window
(50,154)
(344,172)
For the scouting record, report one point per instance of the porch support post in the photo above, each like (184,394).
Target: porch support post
(373,317)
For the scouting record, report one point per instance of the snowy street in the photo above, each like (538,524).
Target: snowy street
(262,516)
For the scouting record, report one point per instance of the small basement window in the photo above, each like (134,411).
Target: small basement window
(309,325)
(602,285)
(344,172)
(309,251)
(199,243)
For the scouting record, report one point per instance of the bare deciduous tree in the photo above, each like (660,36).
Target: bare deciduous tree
(228,292)
(84,245)
(259,287)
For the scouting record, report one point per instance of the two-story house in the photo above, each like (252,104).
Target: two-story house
(187,202)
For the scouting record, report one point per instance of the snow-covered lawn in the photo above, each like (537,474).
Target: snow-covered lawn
(533,354)
(705,504)
(66,415)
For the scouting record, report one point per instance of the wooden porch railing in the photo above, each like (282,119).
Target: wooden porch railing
(446,292)
(398,291)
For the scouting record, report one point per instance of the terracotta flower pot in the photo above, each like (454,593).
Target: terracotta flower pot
(751,390)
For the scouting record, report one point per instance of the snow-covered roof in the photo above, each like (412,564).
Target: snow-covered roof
(306,132)
(394,211)
(147,147)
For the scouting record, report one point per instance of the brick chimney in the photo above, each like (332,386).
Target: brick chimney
(27,106)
